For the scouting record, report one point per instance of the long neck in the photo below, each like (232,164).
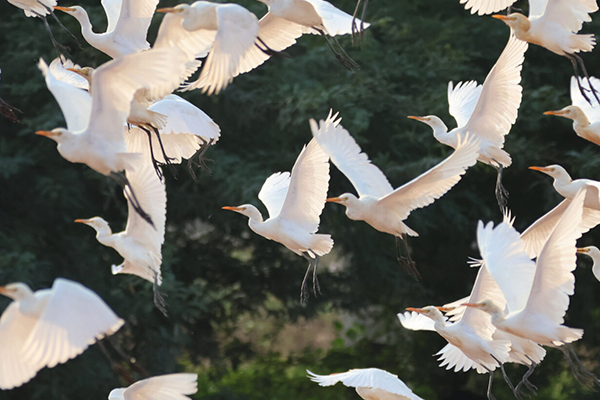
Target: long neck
(580,120)
(86,28)
(497,314)
(104,235)
(561,181)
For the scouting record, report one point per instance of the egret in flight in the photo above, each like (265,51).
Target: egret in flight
(49,327)
(139,244)
(96,138)
(229,33)
(554,24)
(311,16)
(487,111)
(163,387)
(370,384)
(594,254)
(378,204)
(128,23)
(295,203)
(537,294)
(584,113)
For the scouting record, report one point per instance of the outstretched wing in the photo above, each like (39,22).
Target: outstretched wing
(347,156)
(150,193)
(308,186)
(172,387)
(570,14)
(274,191)
(591,108)
(73,318)
(335,21)
(75,103)
(554,281)
(134,20)
(366,378)
(433,184)
(416,322)
(483,7)
(462,100)
(500,98)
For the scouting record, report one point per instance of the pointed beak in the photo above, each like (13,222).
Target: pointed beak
(541,169)
(445,309)
(334,200)
(82,221)
(65,9)
(417,310)
(583,250)
(167,10)
(416,118)
(45,133)
(232,208)
(473,305)
(3,290)
(500,17)
(558,112)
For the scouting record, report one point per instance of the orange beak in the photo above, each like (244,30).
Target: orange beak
(500,17)
(82,221)
(65,9)
(445,309)
(45,133)
(166,10)
(473,305)
(583,250)
(417,310)
(559,113)
(416,118)
(334,200)
(542,169)
(232,208)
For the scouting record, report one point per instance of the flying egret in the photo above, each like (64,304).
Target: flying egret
(231,33)
(585,114)
(295,203)
(370,384)
(537,295)
(49,327)
(378,203)
(554,24)
(316,17)
(96,138)
(162,387)
(7,110)
(139,244)
(594,254)
(128,23)
(486,111)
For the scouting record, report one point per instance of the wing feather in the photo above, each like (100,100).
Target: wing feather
(416,322)
(462,100)
(570,14)
(73,318)
(134,20)
(484,7)
(274,191)
(172,387)
(335,21)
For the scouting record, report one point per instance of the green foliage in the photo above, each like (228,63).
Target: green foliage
(215,270)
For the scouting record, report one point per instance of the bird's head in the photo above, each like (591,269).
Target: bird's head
(96,222)
(433,121)
(16,291)
(553,170)
(591,251)
(57,134)
(345,199)
(432,312)
(245,209)
(516,21)
(571,112)
(487,306)
(75,11)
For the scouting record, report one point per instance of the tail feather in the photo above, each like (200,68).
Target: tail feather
(568,335)
(322,244)
(583,42)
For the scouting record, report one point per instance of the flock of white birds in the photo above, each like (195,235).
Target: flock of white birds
(123,121)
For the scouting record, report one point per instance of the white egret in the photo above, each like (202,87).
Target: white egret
(486,111)
(128,23)
(370,384)
(97,139)
(139,244)
(594,254)
(585,114)
(295,203)
(230,33)
(7,110)
(316,17)
(49,327)
(535,306)
(163,387)
(554,24)
(378,203)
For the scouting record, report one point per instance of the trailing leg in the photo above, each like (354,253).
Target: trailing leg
(199,155)
(407,263)
(159,300)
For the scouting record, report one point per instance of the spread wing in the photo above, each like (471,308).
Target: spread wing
(570,14)
(73,318)
(274,191)
(462,100)
(416,322)
(366,377)
(452,357)
(554,281)
(433,184)
(172,387)
(236,36)
(591,111)
(483,7)
(335,21)
(75,103)
(500,98)
(134,20)
(307,192)
(505,257)
(151,194)
(171,33)
(537,234)
(347,156)
(112,8)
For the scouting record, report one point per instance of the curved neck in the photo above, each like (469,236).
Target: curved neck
(581,120)
(86,27)
(104,234)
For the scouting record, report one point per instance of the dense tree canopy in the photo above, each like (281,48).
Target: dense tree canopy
(222,280)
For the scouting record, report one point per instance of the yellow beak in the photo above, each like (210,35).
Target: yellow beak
(500,17)
(46,133)
(416,118)
(65,9)
(334,200)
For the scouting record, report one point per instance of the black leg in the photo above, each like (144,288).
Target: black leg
(584,376)
(407,263)
(577,77)
(587,77)
(164,154)
(9,111)
(303,289)
(159,300)
(341,55)
(361,31)
(155,163)
(61,25)
(501,192)
(130,195)
(525,379)
(316,286)
(55,43)
(490,396)
(506,378)
(199,154)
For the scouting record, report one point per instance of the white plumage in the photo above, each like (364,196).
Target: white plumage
(163,387)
